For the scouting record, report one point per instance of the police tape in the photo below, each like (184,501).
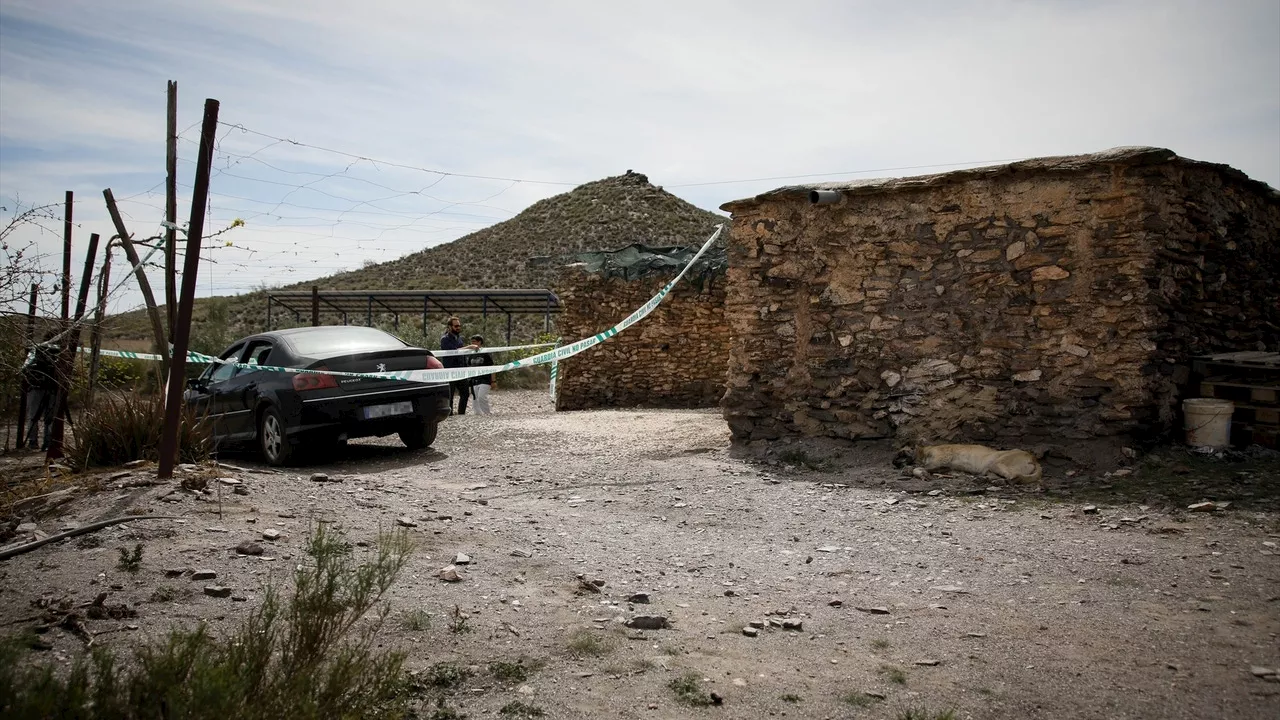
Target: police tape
(472,351)
(553,356)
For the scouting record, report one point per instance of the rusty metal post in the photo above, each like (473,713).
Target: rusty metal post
(95,338)
(66,256)
(171,208)
(315,305)
(157,327)
(67,360)
(29,337)
(191,264)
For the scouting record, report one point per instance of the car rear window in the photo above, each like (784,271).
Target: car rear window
(327,342)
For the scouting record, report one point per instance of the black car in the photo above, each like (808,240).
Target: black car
(286,413)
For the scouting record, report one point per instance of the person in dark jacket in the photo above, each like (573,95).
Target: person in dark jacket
(41,375)
(452,340)
(481,384)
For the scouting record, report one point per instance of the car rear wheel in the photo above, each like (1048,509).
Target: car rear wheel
(272,439)
(419,434)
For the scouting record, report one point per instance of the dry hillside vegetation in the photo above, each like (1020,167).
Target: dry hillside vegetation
(526,251)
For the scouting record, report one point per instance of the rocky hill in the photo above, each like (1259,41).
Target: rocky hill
(526,251)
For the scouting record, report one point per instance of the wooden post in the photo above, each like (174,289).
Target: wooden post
(191,261)
(66,256)
(30,337)
(157,328)
(171,209)
(95,338)
(67,360)
(315,305)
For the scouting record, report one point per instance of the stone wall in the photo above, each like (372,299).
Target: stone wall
(675,357)
(1037,304)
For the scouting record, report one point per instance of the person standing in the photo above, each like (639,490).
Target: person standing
(41,375)
(481,384)
(461,389)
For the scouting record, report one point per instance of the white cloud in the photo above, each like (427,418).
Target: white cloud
(574,91)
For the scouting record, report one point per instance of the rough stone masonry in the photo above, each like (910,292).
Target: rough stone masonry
(675,357)
(1040,303)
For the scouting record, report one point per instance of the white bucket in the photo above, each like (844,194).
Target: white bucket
(1208,422)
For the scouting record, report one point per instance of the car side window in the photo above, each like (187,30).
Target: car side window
(259,354)
(222,373)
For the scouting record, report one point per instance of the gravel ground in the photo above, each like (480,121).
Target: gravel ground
(1003,604)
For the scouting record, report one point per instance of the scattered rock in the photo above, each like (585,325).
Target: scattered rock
(639,599)
(216,530)
(521,553)
(730,593)
(249,548)
(928,663)
(27,527)
(950,589)
(793,624)
(934,493)
(204,575)
(836,603)
(1266,673)
(716,699)
(240,490)
(229,481)
(319,477)
(217,591)
(648,622)
(120,475)
(976,634)
(1089,509)
(1202,507)
(829,548)
(176,572)
(135,463)
(449,573)
(271,535)
(750,631)
(406,521)
(873,610)
(461,559)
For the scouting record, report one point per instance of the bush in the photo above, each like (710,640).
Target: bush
(299,657)
(122,427)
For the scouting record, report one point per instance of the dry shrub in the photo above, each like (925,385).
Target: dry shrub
(122,427)
(303,656)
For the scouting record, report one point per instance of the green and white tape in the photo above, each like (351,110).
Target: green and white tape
(553,356)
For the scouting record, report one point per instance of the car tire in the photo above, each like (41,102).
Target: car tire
(273,440)
(420,434)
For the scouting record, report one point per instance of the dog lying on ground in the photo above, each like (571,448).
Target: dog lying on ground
(1016,465)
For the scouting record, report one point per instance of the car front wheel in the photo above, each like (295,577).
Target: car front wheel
(272,439)
(419,434)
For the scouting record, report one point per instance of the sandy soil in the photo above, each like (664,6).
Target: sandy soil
(995,603)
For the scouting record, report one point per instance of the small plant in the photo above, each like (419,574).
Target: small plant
(586,643)
(130,562)
(791,698)
(124,426)
(163,594)
(915,713)
(880,644)
(894,674)
(444,712)
(309,655)
(416,620)
(513,672)
(519,710)
(857,699)
(447,675)
(688,690)
(458,621)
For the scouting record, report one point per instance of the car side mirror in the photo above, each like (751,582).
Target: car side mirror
(196,383)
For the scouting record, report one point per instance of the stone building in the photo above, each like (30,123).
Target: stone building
(675,357)
(1038,303)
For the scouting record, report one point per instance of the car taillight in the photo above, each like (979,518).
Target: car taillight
(313,381)
(433,363)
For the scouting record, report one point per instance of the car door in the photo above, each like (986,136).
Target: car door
(237,396)
(207,394)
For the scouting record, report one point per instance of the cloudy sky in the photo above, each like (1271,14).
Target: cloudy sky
(712,99)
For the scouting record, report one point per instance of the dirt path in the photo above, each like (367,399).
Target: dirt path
(999,605)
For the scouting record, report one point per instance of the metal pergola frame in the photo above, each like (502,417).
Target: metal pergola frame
(413,302)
